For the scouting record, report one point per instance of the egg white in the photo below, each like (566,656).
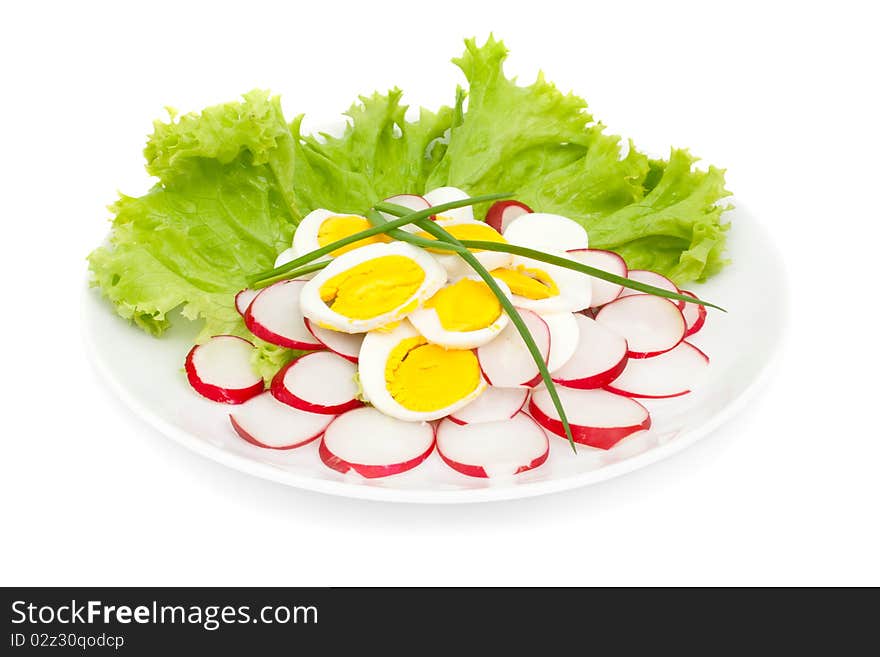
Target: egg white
(545,231)
(442,195)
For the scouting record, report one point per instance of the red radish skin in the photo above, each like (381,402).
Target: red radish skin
(580,405)
(651,325)
(502,213)
(267,423)
(668,375)
(243,300)
(650,278)
(496,357)
(324,369)
(603,291)
(494,449)
(202,384)
(347,345)
(694,315)
(492,405)
(368,430)
(600,357)
(274,316)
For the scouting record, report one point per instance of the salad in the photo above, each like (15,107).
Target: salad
(473,280)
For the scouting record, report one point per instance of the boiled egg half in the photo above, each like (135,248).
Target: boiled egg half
(371,287)
(405,376)
(462,315)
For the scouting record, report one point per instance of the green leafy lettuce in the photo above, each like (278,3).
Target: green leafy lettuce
(234,180)
(542,145)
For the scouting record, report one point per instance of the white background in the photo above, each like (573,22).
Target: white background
(782,94)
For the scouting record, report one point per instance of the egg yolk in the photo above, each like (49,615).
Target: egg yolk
(336,228)
(527,282)
(426,377)
(466,305)
(373,287)
(469,232)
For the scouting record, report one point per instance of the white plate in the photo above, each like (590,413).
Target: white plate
(147,374)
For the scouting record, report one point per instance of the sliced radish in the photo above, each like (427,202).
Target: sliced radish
(347,345)
(501,213)
(274,315)
(694,315)
(492,405)
(493,449)
(651,325)
(564,338)
(603,291)
(599,358)
(506,361)
(650,278)
(265,422)
(546,232)
(243,300)
(374,444)
(674,373)
(319,382)
(597,418)
(220,369)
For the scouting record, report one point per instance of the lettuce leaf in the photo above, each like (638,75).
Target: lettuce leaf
(395,155)
(544,147)
(190,243)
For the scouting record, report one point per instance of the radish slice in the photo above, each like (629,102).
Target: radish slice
(599,358)
(274,315)
(598,418)
(501,213)
(651,325)
(243,300)
(603,291)
(493,449)
(347,345)
(650,278)
(319,382)
(220,369)
(492,405)
(564,338)
(375,445)
(694,315)
(266,422)
(674,373)
(546,232)
(506,361)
